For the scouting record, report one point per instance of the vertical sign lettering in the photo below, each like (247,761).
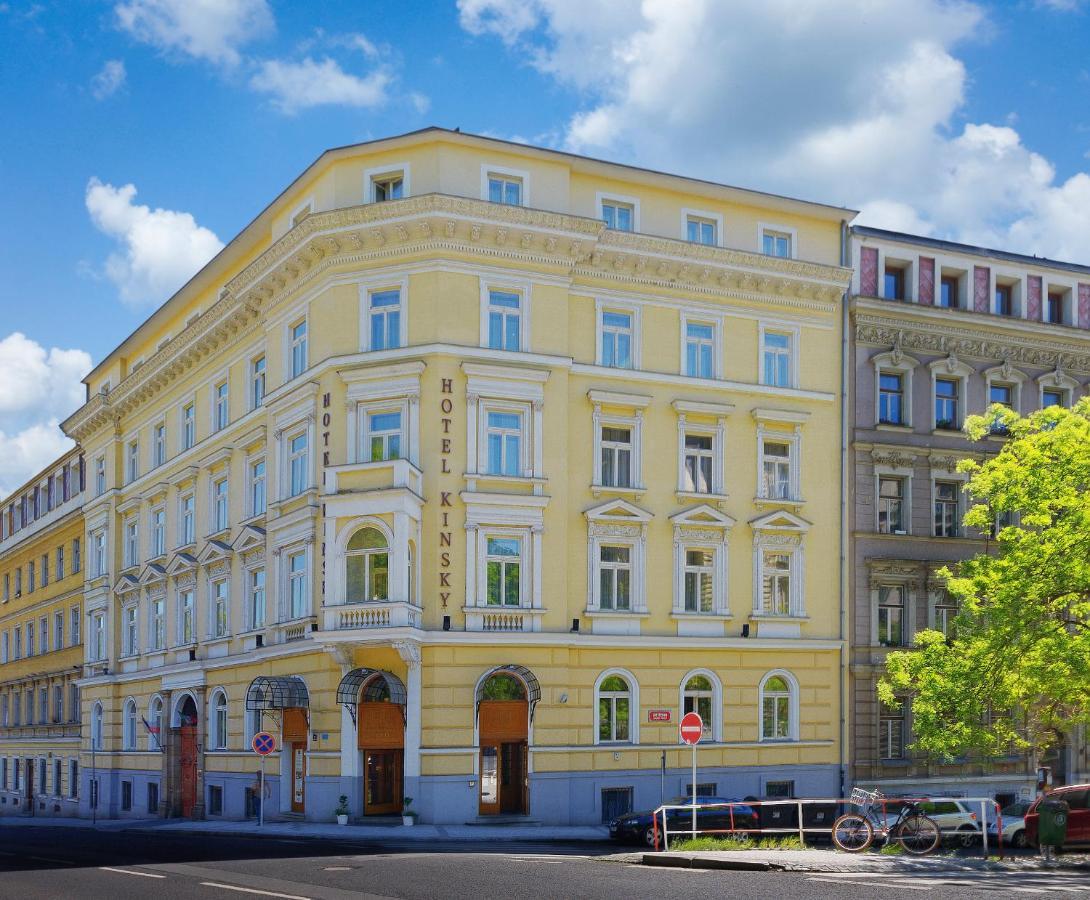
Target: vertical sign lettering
(446,408)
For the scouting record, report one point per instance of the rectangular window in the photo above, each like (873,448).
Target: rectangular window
(776,354)
(701,231)
(298,465)
(30,583)
(221,414)
(132,543)
(504,320)
(29,639)
(189,426)
(503,571)
(298,348)
(43,635)
(297,584)
(219,505)
(617,339)
(946,509)
(158,532)
(257,382)
(891,398)
(186,633)
(100,476)
(776,243)
(59,574)
(699,581)
(215,800)
(948,292)
(44,568)
(126,795)
(1004,300)
(1053,397)
(187,506)
(946,404)
(893,283)
(159,445)
(503,437)
(220,605)
(132,464)
(891,615)
(58,631)
(891,732)
(58,714)
(891,499)
(73,703)
(98,554)
(618,216)
(1002,394)
(76,563)
(699,350)
(73,626)
(505,189)
(946,610)
(385,319)
(615,578)
(18,582)
(698,463)
(257,487)
(384,432)
(776,584)
(73,779)
(157,631)
(1054,308)
(257,598)
(97,637)
(132,645)
(616,456)
(776,469)
(388,187)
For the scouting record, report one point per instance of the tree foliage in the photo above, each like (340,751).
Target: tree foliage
(1015,671)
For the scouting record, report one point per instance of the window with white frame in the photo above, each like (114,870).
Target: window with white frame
(776,469)
(73,779)
(778,708)
(221,605)
(699,580)
(298,593)
(383,431)
(221,410)
(698,462)
(96,726)
(220,500)
(159,444)
(616,455)
(505,409)
(615,577)
(891,731)
(100,476)
(946,610)
(776,243)
(618,338)
(297,347)
(158,518)
(891,615)
(505,188)
(186,516)
(892,517)
(947,517)
(129,730)
(775,583)
(256,579)
(614,697)
(96,649)
(218,720)
(504,442)
(257,381)
(155,720)
(58,703)
(698,695)
(43,635)
(778,566)
(384,319)
(367,567)
(298,463)
(1053,397)
(700,355)
(258,500)
(189,426)
(387,186)
(74,627)
(505,320)
(157,624)
(132,461)
(777,358)
(701,230)
(60,564)
(58,633)
(618,215)
(503,571)
(186,617)
(132,542)
(129,631)
(98,553)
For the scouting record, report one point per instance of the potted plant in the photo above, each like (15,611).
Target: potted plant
(341,812)
(408,816)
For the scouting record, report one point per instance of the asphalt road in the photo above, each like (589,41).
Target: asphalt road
(81,863)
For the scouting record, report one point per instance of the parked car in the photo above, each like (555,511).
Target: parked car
(1077,797)
(637,827)
(1014,824)
(955,818)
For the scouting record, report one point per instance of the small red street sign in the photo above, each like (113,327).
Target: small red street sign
(658,715)
(263,743)
(692,726)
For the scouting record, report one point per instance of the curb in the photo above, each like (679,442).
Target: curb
(697,862)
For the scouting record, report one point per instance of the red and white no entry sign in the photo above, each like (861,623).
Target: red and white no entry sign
(692,727)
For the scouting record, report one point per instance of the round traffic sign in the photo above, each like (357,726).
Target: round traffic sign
(692,727)
(263,743)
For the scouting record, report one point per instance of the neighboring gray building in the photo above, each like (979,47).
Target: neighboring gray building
(939,331)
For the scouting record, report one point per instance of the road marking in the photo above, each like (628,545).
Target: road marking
(245,890)
(337,869)
(130,872)
(907,887)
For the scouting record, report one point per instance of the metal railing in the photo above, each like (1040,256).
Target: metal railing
(801,829)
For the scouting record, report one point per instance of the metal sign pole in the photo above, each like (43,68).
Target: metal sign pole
(662,780)
(261,796)
(694,790)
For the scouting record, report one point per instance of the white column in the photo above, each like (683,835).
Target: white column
(399,559)
(350,754)
(410,654)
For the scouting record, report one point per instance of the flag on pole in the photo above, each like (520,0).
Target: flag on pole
(153,731)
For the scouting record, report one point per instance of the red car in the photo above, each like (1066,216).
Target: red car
(1077,797)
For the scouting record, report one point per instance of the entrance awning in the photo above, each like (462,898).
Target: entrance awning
(277,692)
(533,686)
(372,682)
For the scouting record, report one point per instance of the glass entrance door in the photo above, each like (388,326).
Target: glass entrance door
(383,785)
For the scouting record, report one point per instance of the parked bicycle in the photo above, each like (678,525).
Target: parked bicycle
(854,832)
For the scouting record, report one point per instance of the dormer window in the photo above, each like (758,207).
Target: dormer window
(948,292)
(1004,300)
(893,285)
(389,187)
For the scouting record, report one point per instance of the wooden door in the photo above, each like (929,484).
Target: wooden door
(188,765)
(503,727)
(513,777)
(383,782)
(30,786)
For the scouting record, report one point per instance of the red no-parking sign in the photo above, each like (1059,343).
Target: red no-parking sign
(692,727)
(263,743)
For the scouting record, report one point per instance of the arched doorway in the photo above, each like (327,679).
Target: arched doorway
(376,700)
(186,726)
(287,696)
(505,701)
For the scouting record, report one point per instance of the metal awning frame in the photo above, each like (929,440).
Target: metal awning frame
(348,691)
(267,692)
(528,679)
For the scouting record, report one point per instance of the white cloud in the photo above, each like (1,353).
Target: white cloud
(212,30)
(39,388)
(857,102)
(109,79)
(160,249)
(294,86)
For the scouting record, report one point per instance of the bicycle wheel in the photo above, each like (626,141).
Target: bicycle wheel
(918,834)
(853,833)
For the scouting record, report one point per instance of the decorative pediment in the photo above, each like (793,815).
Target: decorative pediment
(250,538)
(1058,379)
(893,457)
(214,551)
(950,366)
(125,584)
(180,563)
(702,516)
(895,359)
(618,511)
(1005,372)
(153,573)
(217,459)
(780,520)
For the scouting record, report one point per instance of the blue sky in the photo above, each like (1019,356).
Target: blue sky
(964,120)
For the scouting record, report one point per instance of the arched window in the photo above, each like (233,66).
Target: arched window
(779,711)
(96,726)
(218,718)
(367,564)
(503,687)
(616,722)
(155,720)
(700,693)
(129,725)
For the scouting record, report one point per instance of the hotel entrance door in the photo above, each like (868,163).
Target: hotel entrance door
(382,742)
(503,722)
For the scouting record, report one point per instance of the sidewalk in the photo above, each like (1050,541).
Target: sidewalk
(835,861)
(331,831)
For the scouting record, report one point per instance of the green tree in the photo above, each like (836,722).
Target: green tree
(1014,672)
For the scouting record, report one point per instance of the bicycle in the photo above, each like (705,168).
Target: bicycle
(854,832)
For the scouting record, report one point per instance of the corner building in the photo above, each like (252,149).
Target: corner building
(465,470)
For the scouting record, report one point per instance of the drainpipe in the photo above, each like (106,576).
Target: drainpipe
(845,374)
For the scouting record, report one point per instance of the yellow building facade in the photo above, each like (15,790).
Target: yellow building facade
(41,646)
(465,470)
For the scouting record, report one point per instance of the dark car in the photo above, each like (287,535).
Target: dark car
(1077,797)
(637,827)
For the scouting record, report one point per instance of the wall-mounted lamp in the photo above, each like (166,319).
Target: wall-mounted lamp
(563,698)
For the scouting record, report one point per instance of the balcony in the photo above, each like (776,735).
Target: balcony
(504,620)
(364,477)
(376,614)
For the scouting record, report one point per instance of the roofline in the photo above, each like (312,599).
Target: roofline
(941,244)
(45,470)
(220,259)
